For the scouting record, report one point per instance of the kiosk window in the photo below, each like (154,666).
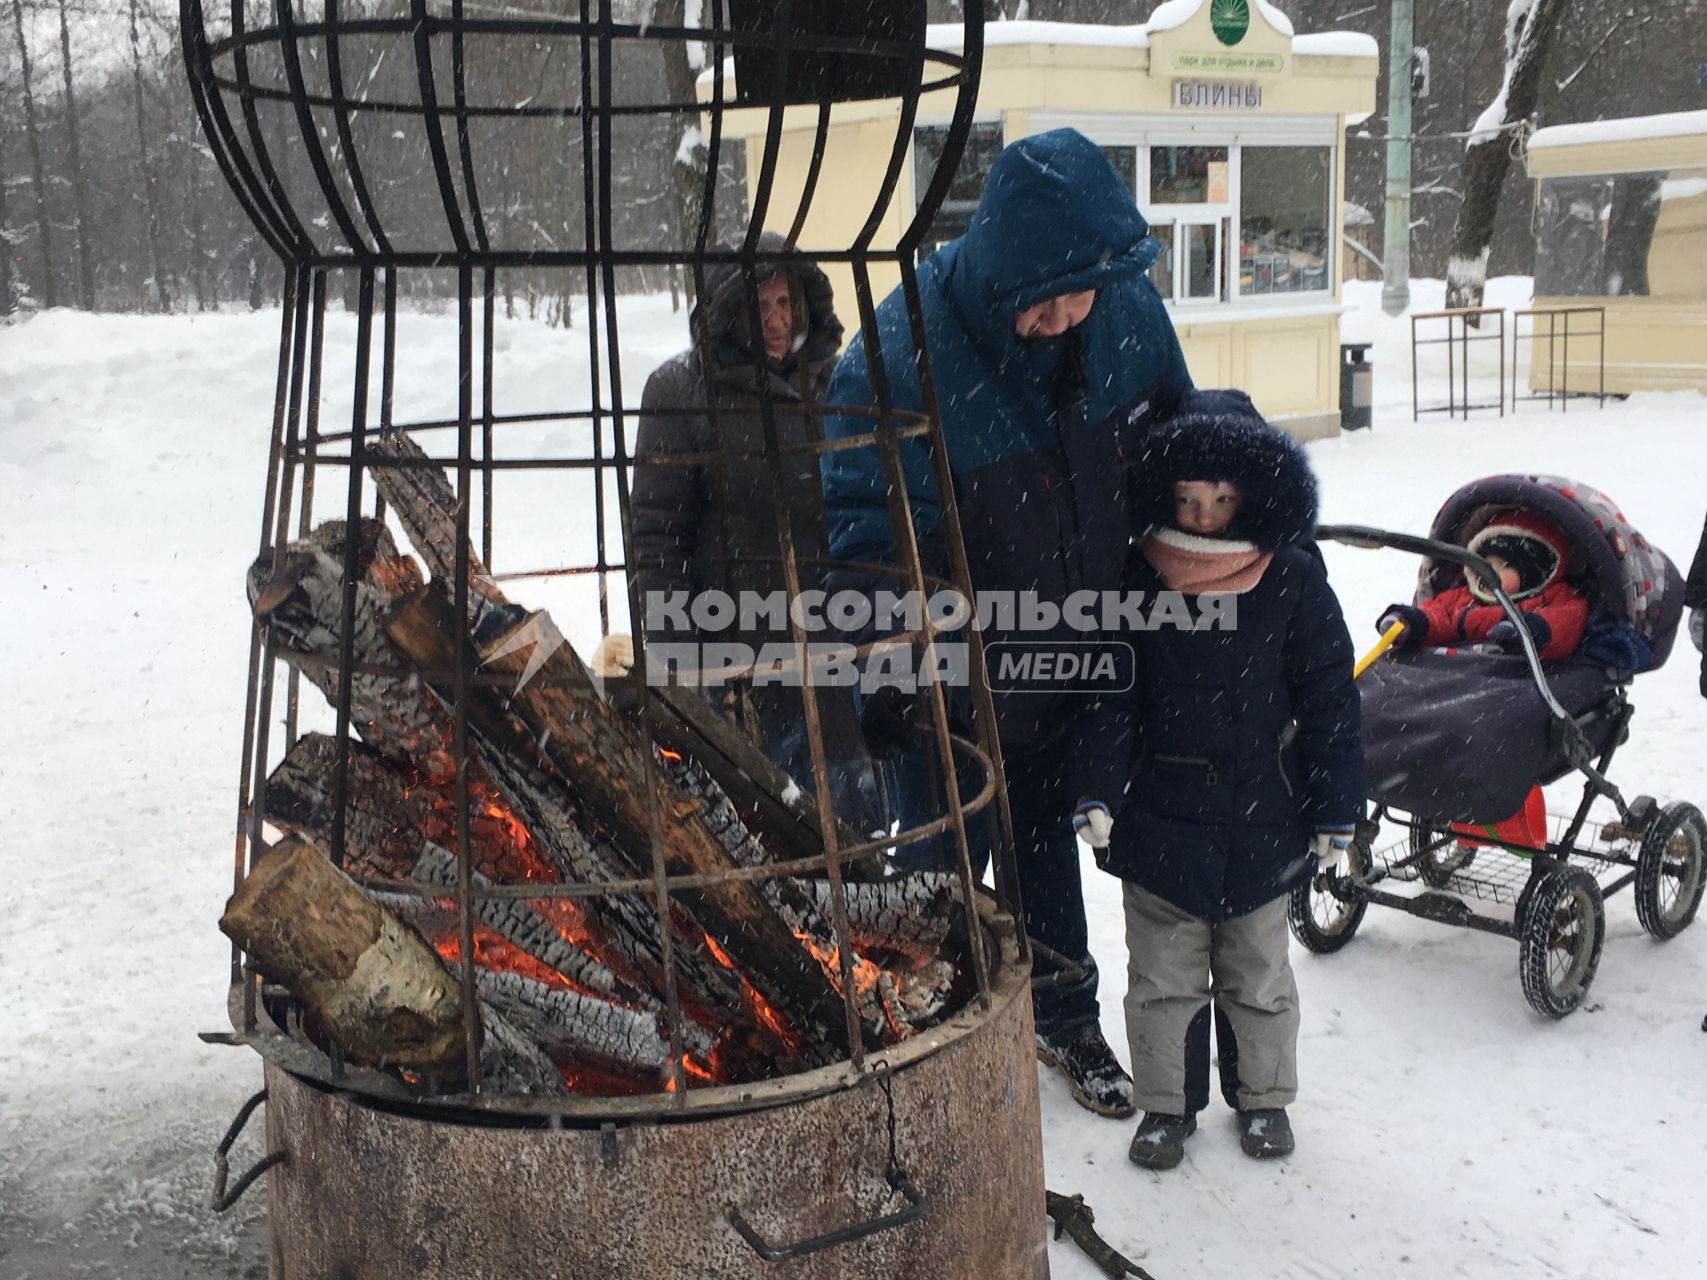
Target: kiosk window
(1188,175)
(983,144)
(1285,222)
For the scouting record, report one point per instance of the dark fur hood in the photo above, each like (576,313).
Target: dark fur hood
(1219,435)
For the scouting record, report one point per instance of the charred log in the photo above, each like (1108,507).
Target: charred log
(381,991)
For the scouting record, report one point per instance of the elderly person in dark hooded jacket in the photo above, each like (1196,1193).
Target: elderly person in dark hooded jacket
(1051,353)
(703,527)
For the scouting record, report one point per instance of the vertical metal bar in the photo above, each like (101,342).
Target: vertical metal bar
(1004,847)
(820,135)
(488,322)
(305,278)
(387,374)
(346,135)
(459,91)
(1451,375)
(840,933)
(301,242)
(782,21)
(310,130)
(352,545)
(1565,361)
(589,224)
(907,559)
(464,482)
(287,315)
(310,455)
(1502,366)
(1413,368)
(654,802)
(1601,313)
(222,137)
(425,26)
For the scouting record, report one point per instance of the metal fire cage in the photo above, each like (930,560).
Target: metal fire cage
(311,111)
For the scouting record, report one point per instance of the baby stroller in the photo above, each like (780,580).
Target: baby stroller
(1456,743)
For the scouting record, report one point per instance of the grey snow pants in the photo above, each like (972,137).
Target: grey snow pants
(1177,966)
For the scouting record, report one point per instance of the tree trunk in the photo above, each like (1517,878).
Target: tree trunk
(32,135)
(690,157)
(1630,235)
(383,993)
(74,156)
(1487,157)
(150,179)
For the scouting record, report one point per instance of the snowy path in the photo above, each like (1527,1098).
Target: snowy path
(1444,1130)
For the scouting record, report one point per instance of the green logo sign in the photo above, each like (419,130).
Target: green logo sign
(1229,20)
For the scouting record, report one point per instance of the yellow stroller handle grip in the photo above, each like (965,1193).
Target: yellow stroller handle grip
(1389,637)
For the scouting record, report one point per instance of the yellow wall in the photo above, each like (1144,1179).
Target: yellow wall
(1656,342)
(1652,344)
(1288,365)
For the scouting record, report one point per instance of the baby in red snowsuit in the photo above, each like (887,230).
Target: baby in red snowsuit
(1531,557)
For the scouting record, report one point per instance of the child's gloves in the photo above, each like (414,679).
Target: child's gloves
(1698,629)
(1330,847)
(1504,634)
(1416,625)
(1093,823)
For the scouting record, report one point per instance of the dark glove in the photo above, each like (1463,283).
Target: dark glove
(886,720)
(1416,625)
(1504,633)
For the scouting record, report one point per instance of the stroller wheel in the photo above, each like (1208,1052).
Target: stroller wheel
(1669,870)
(1559,940)
(1436,854)
(1321,918)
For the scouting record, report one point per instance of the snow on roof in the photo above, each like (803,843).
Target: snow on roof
(1675,124)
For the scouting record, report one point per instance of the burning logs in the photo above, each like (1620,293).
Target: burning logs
(560,787)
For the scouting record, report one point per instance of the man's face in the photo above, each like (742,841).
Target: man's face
(1054,316)
(776,316)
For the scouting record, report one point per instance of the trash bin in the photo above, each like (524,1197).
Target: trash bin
(1357,393)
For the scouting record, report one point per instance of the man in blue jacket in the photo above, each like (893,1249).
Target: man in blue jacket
(1052,354)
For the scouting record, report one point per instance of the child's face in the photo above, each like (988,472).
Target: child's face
(1205,507)
(1510,579)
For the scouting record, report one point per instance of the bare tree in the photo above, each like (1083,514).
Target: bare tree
(150,180)
(32,137)
(1530,25)
(692,157)
(74,150)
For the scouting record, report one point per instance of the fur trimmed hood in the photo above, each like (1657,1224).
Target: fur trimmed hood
(1219,435)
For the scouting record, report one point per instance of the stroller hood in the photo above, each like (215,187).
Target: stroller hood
(1633,579)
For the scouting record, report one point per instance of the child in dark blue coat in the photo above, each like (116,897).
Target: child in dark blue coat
(1232,769)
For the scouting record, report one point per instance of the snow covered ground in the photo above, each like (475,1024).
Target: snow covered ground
(1444,1129)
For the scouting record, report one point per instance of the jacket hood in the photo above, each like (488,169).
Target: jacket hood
(1219,435)
(719,319)
(1533,546)
(1054,218)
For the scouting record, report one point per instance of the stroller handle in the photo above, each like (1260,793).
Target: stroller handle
(1370,538)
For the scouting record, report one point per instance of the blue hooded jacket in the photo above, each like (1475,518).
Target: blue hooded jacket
(1039,432)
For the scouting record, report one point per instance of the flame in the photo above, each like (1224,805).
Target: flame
(867,978)
(491,951)
(668,754)
(761,1010)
